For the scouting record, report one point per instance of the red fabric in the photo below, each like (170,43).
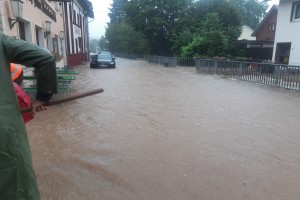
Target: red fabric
(24,102)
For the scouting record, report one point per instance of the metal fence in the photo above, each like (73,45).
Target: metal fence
(130,56)
(172,61)
(285,76)
(161,60)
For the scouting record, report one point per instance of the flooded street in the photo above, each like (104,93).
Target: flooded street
(161,133)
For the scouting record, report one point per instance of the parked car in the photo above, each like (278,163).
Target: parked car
(93,54)
(103,60)
(105,52)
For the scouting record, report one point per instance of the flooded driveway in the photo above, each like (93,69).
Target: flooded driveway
(161,133)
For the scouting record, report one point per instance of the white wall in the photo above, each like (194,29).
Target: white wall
(76,30)
(287,31)
(246,33)
(32,16)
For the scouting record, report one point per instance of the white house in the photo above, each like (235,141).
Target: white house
(246,33)
(287,42)
(76,15)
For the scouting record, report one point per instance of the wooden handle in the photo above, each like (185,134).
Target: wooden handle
(65,99)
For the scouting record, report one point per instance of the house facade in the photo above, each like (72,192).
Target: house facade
(41,24)
(76,15)
(266,29)
(61,26)
(287,42)
(262,46)
(260,42)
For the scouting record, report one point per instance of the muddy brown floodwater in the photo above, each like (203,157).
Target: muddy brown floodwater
(161,133)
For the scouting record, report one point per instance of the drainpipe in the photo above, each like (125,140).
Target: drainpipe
(65,37)
(86,31)
(88,36)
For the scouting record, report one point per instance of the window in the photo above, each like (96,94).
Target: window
(272,27)
(37,36)
(22,30)
(76,44)
(80,43)
(74,17)
(296,11)
(78,20)
(55,44)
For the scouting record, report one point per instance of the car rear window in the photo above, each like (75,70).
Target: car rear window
(104,56)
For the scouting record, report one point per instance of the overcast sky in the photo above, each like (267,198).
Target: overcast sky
(97,26)
(101,8)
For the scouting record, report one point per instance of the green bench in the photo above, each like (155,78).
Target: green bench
(62,77)
(61,89)
(64,82)
(66,71)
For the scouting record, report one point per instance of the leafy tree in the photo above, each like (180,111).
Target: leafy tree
(214,36)
(117,13)
(156,19)
(233,49)
(93,44)
(252,11)
(102,43)
(174,26)
(228,20)
(213,39)
(228,13)
(123,38)
(181,39)
(195,48)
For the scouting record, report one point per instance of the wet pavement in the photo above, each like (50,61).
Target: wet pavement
(160,133)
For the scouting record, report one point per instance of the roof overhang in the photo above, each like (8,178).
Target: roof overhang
(89,8)
(88,5)
(273,10)
(254,42)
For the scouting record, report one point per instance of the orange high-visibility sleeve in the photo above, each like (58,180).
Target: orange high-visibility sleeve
(15,70)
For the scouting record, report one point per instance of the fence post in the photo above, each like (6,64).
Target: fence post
(215,67)
(277,72)
(240,70)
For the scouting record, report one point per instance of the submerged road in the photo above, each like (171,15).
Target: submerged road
(161,133)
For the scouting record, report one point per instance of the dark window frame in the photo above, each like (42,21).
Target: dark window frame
(22,33)
(272,27)
(74,17)
(37,37)
(295,11)
(76,43)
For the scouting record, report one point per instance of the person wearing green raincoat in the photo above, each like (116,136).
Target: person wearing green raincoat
(17,177)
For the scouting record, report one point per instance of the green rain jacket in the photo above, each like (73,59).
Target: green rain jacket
(17,178)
